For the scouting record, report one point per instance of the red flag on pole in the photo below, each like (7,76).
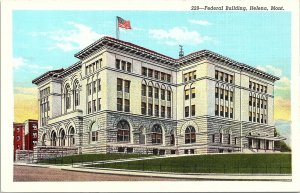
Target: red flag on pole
(123,23)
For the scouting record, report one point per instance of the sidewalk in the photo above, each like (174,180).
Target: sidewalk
(218,177)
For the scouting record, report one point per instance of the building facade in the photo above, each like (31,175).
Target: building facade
(120,97)
(25,135)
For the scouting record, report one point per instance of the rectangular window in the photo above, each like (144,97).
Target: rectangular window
(90,88)
(144,71)
(257,118)
(194,75)
(187,94)
(222,111)
(258,103)
(99,104)
(226,95)
(150,109)
(226,78)
(90,69)
(231,79)
(156,110)
(226,111)
(143,90)
(97,65)
(127,86)
(156,90)
(235,141)
(213,139)
(186,110)
(162,76)
(143,108)
(100,63)
(254,118)
(156,74)
(119,84)
(217,92)
(186,77)
(193,113)
(168,95)
(262,118)
(34,135)
(128,67)
(86,70)
(253,86)
(94,136)
(99,85)
(150,91)
(193,93)
(250,84)
(89,107)
(94,106)
(150,72)
(169,77)
(221,93)
(231,96)
(265,89)
(221,138)
(217,110)
(94,87)
(231,112)
(118,62)
(265,104)
(221,75)
(163,94)
(123,65)
(216,75)
(127,105)
(119,104)
(190,75)
(229,139)
(169,112)
(162,111)
(254,103)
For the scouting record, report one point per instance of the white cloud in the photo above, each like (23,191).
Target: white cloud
(76,38)
(22,63)
(283,84)
(271,69)
(178,35)
(200,22)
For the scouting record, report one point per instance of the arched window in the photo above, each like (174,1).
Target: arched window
(156,134)
(94,133)
(76,93)
(123,134)
(67,96)
(53,138)
(71,136)
(62,137)
(190,134)
(44,139)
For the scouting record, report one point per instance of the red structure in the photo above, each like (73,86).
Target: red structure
(25,135)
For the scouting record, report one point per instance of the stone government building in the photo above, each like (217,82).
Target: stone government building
(121,97)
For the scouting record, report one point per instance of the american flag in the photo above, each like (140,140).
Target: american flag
(123,23)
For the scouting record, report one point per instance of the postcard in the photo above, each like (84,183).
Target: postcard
(177,95)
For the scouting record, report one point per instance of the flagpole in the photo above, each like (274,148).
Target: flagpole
(117,28)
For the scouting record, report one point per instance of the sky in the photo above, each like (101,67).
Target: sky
(47,40)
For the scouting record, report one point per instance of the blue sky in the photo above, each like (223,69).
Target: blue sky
(46,40)
(258,39)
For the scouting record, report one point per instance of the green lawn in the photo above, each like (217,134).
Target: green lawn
(90,158)
(222,163)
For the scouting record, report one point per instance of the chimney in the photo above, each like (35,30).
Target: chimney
(181,53)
